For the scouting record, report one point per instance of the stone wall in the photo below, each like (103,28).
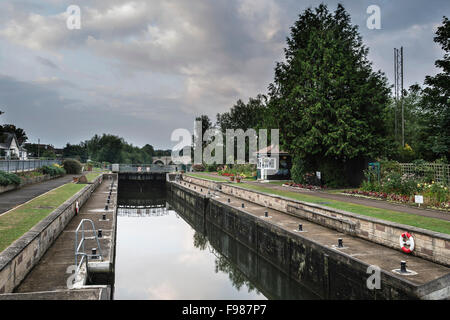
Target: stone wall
(325,272)
(22,255)
(433,246)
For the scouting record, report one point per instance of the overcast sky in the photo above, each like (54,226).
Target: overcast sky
(140,69)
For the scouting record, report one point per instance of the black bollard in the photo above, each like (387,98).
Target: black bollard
(243,205)
(403,267)
(106,207)
(300,227)
(229,200)
(104,217)
(266,214)
(94,252)
(340,243)
(100,233)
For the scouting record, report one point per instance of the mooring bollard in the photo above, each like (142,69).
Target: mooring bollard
(266,214)
(104,216)
(300,227)
(106,207)
(340,243)
(100,233)
(403,267)
(243,205)
(229,200)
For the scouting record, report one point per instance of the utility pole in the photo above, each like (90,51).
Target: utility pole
(403,107)
(395,91)
(39,142)
(398,91)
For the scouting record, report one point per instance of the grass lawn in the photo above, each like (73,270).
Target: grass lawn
(92,175)
(18,221)
(389,215)
(207,177)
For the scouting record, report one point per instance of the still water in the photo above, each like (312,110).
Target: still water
(162,253)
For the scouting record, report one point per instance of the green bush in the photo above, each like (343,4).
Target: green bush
(297,171)
(72,166)
(7,179)
(52,170)
(333,173)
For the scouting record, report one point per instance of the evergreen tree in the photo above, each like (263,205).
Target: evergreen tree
(327,101)
(436,100)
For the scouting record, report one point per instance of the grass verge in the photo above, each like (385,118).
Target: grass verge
(206,177)
(18,221)
(92,175)
(389,215)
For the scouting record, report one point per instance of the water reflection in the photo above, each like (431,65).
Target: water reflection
(165,257)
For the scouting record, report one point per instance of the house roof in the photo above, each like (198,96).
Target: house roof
(272,150)
(6,139)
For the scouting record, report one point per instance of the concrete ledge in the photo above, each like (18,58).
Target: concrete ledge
(21,256)
(430,245)
(85,293)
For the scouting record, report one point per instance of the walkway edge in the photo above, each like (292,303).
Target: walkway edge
(22,255)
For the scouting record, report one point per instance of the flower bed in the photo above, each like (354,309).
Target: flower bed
(303,186)
(432,198)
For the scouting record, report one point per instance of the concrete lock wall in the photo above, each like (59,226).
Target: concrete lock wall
(324,271)
(433,246)
(27,181)
(20,257)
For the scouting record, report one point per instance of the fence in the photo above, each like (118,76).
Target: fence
(142,168)
(25,165)
(441,172)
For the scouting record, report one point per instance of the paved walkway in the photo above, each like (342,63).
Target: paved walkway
(12,199)
(381,204)
(50,273)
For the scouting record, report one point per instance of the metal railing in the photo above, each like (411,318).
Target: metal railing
(147,168)
(80,246)
(25,165)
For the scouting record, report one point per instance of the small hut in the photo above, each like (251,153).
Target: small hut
(283,166)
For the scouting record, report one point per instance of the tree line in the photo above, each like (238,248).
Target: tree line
(335,113)
(112,149)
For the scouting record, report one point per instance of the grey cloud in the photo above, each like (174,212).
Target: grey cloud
(214,51)
(47,62)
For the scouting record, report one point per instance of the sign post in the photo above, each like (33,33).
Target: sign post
(264,164)
(418,199)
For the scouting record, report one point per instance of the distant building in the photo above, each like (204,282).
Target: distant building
(10,148)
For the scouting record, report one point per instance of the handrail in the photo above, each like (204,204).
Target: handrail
(80,245)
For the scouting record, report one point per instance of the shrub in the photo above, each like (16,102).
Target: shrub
(72,166)
(211,167)
(7,179)
(54,170)
(198,167)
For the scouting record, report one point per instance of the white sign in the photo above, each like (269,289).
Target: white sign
(267,164)
(418,199)
(318,174)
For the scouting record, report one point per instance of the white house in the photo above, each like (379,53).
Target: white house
(10,148)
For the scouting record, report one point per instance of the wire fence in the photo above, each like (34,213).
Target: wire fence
(25,165)
(440,172)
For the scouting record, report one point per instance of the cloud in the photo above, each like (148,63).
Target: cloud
(162,63)
(46,62)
